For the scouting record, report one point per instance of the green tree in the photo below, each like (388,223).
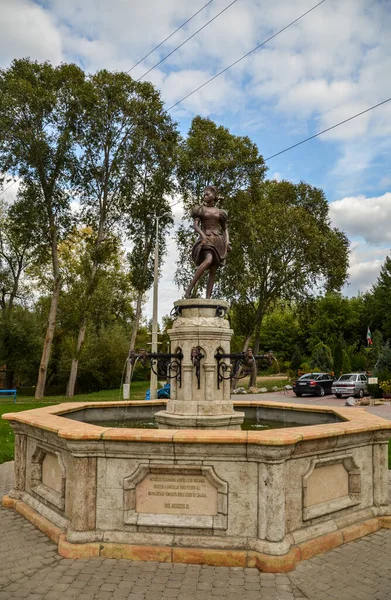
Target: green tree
(325,318)
(338,356)
(321,358)
(126,155)
(148,211)
(280,332)
(282,246)
(383,364)
(297,359)
(379,301)
(39,119)
(346,364)
(20,344)
(212,155)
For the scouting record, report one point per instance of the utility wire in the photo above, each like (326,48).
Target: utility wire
(7,188)
(244,56)
(328,129)
(171,34)
(317,134)
(189,38)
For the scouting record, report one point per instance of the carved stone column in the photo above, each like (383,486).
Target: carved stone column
(199,401)
(84,494)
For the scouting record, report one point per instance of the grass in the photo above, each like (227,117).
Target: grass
(6,434)
(267,382)
(137,392)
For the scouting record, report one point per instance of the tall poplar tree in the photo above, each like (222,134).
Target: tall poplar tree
(127,146)
(39,119)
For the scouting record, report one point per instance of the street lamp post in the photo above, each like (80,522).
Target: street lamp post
(154,344)
(153,383)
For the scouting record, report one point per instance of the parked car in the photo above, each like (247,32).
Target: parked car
(316,384)
(351,384)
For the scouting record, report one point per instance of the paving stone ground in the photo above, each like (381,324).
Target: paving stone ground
(31,569)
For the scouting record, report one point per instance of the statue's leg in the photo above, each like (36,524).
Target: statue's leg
(206,263)
(211,280)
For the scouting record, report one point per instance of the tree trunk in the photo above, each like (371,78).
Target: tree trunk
(9,379)
(134,335)
(247,341)
(82,329)
(47,345)
(75,361)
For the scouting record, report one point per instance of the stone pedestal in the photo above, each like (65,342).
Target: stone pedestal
(199,399)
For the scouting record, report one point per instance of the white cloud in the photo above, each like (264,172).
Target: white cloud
(333,63)
(26,29)
(168,291)
(363,217)
(365,264)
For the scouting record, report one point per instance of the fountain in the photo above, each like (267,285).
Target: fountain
(199,489)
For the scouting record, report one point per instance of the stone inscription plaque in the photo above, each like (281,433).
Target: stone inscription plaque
(176,495)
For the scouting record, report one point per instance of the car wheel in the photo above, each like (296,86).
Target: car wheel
(299,394)
(361,393)
(338,395)
(321,392)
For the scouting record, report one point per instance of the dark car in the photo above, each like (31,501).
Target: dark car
(316,384)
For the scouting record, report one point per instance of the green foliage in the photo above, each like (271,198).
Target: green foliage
(280,331)
(346,364)
(212,155)
(296,360)
(282,244)
(359,360)
(321,358)
(327,318)
(20,344)
(338,356)
(382,368)
(379,301)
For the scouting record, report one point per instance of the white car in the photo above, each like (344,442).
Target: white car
(350,384)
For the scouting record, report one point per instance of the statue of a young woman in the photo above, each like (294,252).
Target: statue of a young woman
(210,250)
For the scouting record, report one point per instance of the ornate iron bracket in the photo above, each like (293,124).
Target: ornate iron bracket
(196,356)
(241,364)
(164,364)
(221,311)
(176,312)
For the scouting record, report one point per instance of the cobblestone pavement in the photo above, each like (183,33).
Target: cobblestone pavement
(30,568)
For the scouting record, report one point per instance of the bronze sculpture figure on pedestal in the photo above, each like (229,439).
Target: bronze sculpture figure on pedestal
(210,250)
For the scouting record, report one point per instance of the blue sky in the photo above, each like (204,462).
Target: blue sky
(333,63)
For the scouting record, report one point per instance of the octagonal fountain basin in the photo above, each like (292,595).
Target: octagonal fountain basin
(265,498)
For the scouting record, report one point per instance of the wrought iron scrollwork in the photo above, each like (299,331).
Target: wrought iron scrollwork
(196,356)
(176,312)
(163,364)
(241,364)
(221,311)
(168,365)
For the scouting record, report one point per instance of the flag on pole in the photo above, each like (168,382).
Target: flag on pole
(369,337)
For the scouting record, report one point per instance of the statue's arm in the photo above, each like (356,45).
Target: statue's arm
(197,228)
(224,227)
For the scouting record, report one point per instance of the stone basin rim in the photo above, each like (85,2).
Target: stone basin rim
(51,418)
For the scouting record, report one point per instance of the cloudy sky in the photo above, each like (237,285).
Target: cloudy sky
(333,63)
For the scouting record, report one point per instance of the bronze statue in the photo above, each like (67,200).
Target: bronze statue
(210,250)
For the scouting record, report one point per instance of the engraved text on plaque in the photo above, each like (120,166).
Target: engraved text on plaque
(176,494)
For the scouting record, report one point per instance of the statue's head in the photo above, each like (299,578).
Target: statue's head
(210,194)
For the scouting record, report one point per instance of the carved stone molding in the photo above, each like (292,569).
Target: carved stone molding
(176,496)
(330,484)
(52,492)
